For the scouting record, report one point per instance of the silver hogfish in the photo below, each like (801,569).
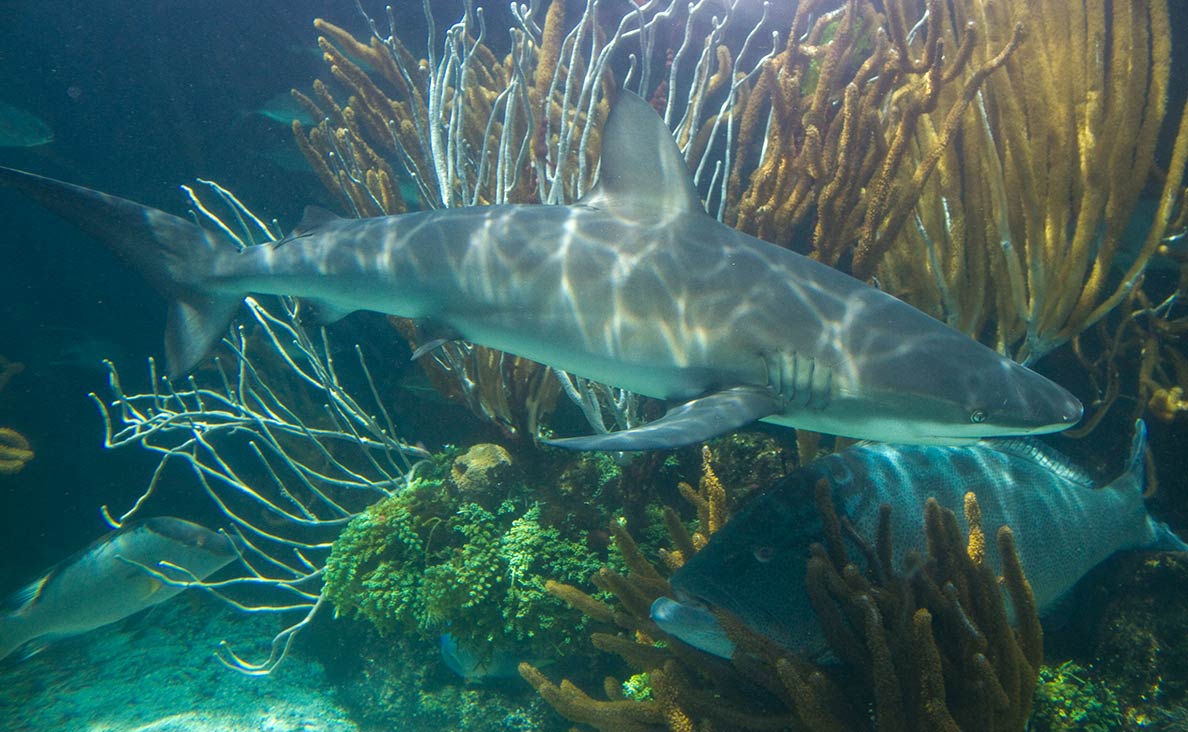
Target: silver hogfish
(107,581)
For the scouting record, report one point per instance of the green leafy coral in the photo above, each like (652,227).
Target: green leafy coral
(429,560)
(1068,699)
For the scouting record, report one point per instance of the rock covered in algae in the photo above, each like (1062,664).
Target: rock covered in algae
(400,682)
(1069,698)
(482,471)
(1134,610)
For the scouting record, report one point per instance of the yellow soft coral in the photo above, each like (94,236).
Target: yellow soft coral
(1165,404)
(14,451)
(14,447)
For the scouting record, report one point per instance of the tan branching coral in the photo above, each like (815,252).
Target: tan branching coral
(1017,236)
(836,111)
(1136,357)
(951,662)
(932,651)
(15,451)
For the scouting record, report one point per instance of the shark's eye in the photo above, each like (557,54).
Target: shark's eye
(977,416)
(764,553)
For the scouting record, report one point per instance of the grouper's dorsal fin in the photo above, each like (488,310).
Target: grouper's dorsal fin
(1047,457)
(642,168)
(25,596)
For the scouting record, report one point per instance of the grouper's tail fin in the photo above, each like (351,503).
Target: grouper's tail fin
(176,256)
(1162,538)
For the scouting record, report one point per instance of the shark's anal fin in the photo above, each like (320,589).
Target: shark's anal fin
(429,347)
(439,334)
(694,421)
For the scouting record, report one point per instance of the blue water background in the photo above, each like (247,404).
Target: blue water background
(142,97)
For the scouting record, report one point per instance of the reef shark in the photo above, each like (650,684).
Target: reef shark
(635,285)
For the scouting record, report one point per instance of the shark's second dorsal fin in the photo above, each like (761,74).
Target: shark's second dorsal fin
(314,217)
(642,168)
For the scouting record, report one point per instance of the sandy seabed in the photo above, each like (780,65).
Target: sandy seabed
(157,672)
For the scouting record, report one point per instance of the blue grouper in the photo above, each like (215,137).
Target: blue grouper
(1064,525)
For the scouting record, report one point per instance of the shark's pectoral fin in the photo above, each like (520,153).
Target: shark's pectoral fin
(695,421)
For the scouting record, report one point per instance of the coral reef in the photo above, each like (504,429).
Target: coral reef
(401,683)
(15,451)
(894,139)
(835,111)
(1068,699)
(466,550)
(932,650)
(1020,234)
(1130,619)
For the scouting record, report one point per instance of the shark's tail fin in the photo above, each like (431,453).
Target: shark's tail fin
(176,256)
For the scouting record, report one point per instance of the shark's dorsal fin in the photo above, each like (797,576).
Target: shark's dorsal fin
(642,168)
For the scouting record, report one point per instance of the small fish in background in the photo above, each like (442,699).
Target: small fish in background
(21,128)
(480,665)
(85,351)
(103,584)
(282,108)
(1064,525)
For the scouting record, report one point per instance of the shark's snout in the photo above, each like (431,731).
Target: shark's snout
(1038,404)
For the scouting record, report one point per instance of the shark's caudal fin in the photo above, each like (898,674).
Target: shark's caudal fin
(176,256)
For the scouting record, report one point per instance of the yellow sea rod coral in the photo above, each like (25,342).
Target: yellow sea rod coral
(15,451)
(14,447)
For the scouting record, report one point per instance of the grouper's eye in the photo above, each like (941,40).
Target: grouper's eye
(764,554)
(977,416)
